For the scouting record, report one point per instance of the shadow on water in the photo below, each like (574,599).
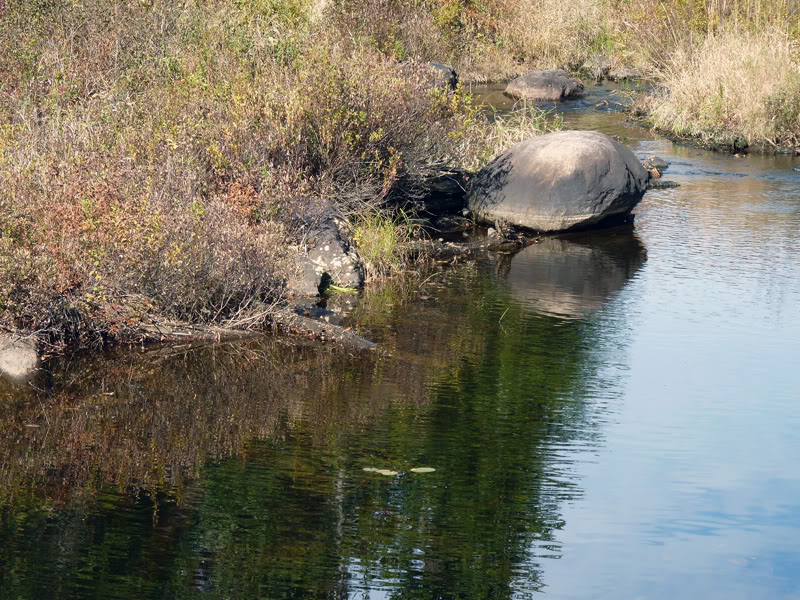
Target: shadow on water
(237,470)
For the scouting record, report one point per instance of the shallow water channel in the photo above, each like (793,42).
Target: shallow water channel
(612,415)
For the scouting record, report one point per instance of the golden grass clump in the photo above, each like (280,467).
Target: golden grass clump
(554,33)
(735,86)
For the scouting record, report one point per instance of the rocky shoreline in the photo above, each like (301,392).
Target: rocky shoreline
(454,225)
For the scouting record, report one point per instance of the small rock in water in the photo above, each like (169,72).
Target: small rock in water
(18,357)
(655,162)
(552,86)
(624,72)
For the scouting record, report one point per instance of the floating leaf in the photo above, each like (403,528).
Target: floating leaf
(387,472)
(370,469)
(422,470)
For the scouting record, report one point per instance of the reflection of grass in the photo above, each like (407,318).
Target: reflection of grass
(378,303)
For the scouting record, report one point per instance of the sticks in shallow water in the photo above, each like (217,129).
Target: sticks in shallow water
(285,319)
(327,331)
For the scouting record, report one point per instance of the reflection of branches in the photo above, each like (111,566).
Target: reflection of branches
(491,410)
(153,419)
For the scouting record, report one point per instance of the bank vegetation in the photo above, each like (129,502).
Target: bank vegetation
(164,161)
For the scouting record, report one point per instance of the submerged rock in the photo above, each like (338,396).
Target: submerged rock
(559,181)
(551,86)
(662,185)
(19,358)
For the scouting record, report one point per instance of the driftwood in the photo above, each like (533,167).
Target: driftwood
(283,319)
(320,329)
(446,250)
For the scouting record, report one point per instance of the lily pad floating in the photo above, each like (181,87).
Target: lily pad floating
(422,470)
(387,472)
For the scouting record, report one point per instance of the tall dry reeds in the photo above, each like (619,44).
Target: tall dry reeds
(650,31)
(734,88)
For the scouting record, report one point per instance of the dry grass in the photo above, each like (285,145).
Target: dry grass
(554,33)
(734,86)
(158,159)
(650,31)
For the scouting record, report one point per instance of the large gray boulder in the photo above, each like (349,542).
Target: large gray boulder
(559,181)
(18,357)
(551,86)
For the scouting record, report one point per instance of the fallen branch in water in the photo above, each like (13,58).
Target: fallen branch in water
(299,324)
(284,319)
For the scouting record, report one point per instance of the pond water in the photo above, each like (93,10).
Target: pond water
(611,415)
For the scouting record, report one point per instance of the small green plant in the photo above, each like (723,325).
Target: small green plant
(382,242)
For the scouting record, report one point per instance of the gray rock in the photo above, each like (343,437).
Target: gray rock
(551,86)
(597,66)
(623,72)
(333,257)
(305,281)
(444,76)
(19,358)
(329,261)
(655,162)
(559,181)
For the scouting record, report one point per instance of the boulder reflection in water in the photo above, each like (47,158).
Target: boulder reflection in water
(573,276)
